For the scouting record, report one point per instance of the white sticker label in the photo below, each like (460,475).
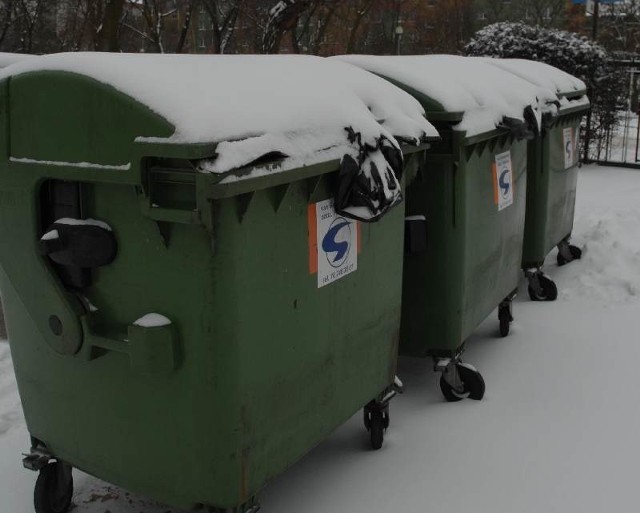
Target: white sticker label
(503,180)
(337,243)
(570,144)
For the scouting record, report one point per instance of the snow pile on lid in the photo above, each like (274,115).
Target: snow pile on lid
(485,94)
(295,105)
(544,75)
(540,74)
(6,59)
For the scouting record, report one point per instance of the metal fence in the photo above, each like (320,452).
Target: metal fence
(619,143)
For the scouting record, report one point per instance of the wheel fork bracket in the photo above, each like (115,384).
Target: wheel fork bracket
(507,305)
(533,275)
(565,250)
(448,367)
(37,459)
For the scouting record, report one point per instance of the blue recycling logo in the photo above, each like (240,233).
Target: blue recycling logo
(336,242)
(505,182)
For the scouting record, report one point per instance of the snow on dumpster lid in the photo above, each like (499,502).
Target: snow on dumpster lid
(540,74)
(484,93)
(6,59)
(254,104)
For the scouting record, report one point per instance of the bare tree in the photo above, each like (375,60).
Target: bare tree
(283,17)
(184,31)
(224,17)
(545,13)
(107,33)
(154,13)
(495,10)
(160,25)
(313,26)
(360,11)
(620,26)
(447,28)
(6,18)
(73,22)
(27,16)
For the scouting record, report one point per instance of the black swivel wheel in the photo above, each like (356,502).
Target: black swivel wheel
(574,251)
(548,290)
(54,489)
(505,318)
(473,385)
(377,429)
(376,420)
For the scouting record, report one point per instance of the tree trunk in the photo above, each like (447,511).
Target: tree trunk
(8,19)
(353,35)
(185,26)
(324,25)
(107,40)
(282,18)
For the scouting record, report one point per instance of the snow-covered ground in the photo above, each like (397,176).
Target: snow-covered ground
(556,432)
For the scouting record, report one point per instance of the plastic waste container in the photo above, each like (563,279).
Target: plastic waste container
(6,59)
(466,209)
(552,173)
(191,304)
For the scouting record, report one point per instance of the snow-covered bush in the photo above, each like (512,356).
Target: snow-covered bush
(569,52)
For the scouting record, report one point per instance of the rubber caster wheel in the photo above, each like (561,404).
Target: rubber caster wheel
(376,430)
(376,420)
(505,325)
(473,385)
(505,318)
(576,254)
(54,489)
(549,290)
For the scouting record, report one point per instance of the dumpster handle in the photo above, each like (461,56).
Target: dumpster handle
(91,340)
(110,344)
(151,350)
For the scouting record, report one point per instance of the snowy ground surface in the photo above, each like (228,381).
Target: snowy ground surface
(557,431)
(624,142)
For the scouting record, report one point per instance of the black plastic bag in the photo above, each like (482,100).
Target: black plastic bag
(369,185)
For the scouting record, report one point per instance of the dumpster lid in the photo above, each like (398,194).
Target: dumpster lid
(252,105)
(571,91)
(483,95)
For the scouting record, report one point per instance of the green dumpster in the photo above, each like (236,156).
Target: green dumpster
(553,173)
(466,208)
(6,59)
(188,311)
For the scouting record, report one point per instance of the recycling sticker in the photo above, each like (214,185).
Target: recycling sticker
(503,180)
(570,145)
(333,243)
